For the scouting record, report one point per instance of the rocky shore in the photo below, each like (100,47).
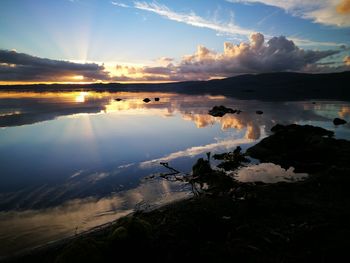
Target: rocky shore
(231,221)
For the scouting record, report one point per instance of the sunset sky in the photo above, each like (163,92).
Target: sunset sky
(156,41)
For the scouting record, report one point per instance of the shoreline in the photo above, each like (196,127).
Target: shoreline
(256,222)
(267,86)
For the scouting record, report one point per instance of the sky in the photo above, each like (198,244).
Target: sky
(45,41)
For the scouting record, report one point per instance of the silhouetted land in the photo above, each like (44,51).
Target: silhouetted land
(268,86)
(304,221)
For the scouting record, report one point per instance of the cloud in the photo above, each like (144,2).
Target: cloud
(196,150)
(344,7)
(119,4)
(347,60)
(165,61)
(192,19)
(224,28)
(327,12)
(256,56)
(16,66)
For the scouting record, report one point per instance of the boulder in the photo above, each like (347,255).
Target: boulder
(306,148)
(338,121)
(220,111)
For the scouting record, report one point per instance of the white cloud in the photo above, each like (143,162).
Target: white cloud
(192,19)
(256,56)
(224,28)
(193,151)
(327,12)
(119,4)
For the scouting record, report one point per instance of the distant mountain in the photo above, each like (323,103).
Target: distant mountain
(267,86)
(281,86)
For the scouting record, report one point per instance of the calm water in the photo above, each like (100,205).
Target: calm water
(74,160)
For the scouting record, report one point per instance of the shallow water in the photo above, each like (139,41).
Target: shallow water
(70,161)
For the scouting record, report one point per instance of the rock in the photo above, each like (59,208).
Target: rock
(156,99)
(220,111)
(231,160)
(146,100)
(306,148)
(201,168)
(338,121)
(118,99)
(259,112)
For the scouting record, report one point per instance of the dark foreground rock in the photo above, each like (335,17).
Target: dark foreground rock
(338,121)
(307,148)
(220,111)
(306,221)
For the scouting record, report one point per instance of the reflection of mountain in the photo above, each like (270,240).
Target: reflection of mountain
(20,108)
(268,86)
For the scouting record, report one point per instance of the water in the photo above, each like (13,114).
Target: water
(71,161)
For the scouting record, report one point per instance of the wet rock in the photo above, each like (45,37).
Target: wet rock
(338,121)
(220,111)
(146,100)
(259,112)
(156,99)
(201,168)
(231,160)
(307,148)
(277,128)
(118,99)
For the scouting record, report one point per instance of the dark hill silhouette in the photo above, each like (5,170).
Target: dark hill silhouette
(281,86)
(266,86)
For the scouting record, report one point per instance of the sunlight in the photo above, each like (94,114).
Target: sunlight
(78,77)
(81,96)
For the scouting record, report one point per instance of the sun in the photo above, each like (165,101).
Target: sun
(81,96)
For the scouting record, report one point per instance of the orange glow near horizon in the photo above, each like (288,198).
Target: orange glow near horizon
(13,83)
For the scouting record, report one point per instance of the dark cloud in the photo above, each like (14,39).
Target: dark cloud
(278,54)
(23,67)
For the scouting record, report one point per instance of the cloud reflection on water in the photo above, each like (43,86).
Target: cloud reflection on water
(29,228)
(268,173)
(137,137)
